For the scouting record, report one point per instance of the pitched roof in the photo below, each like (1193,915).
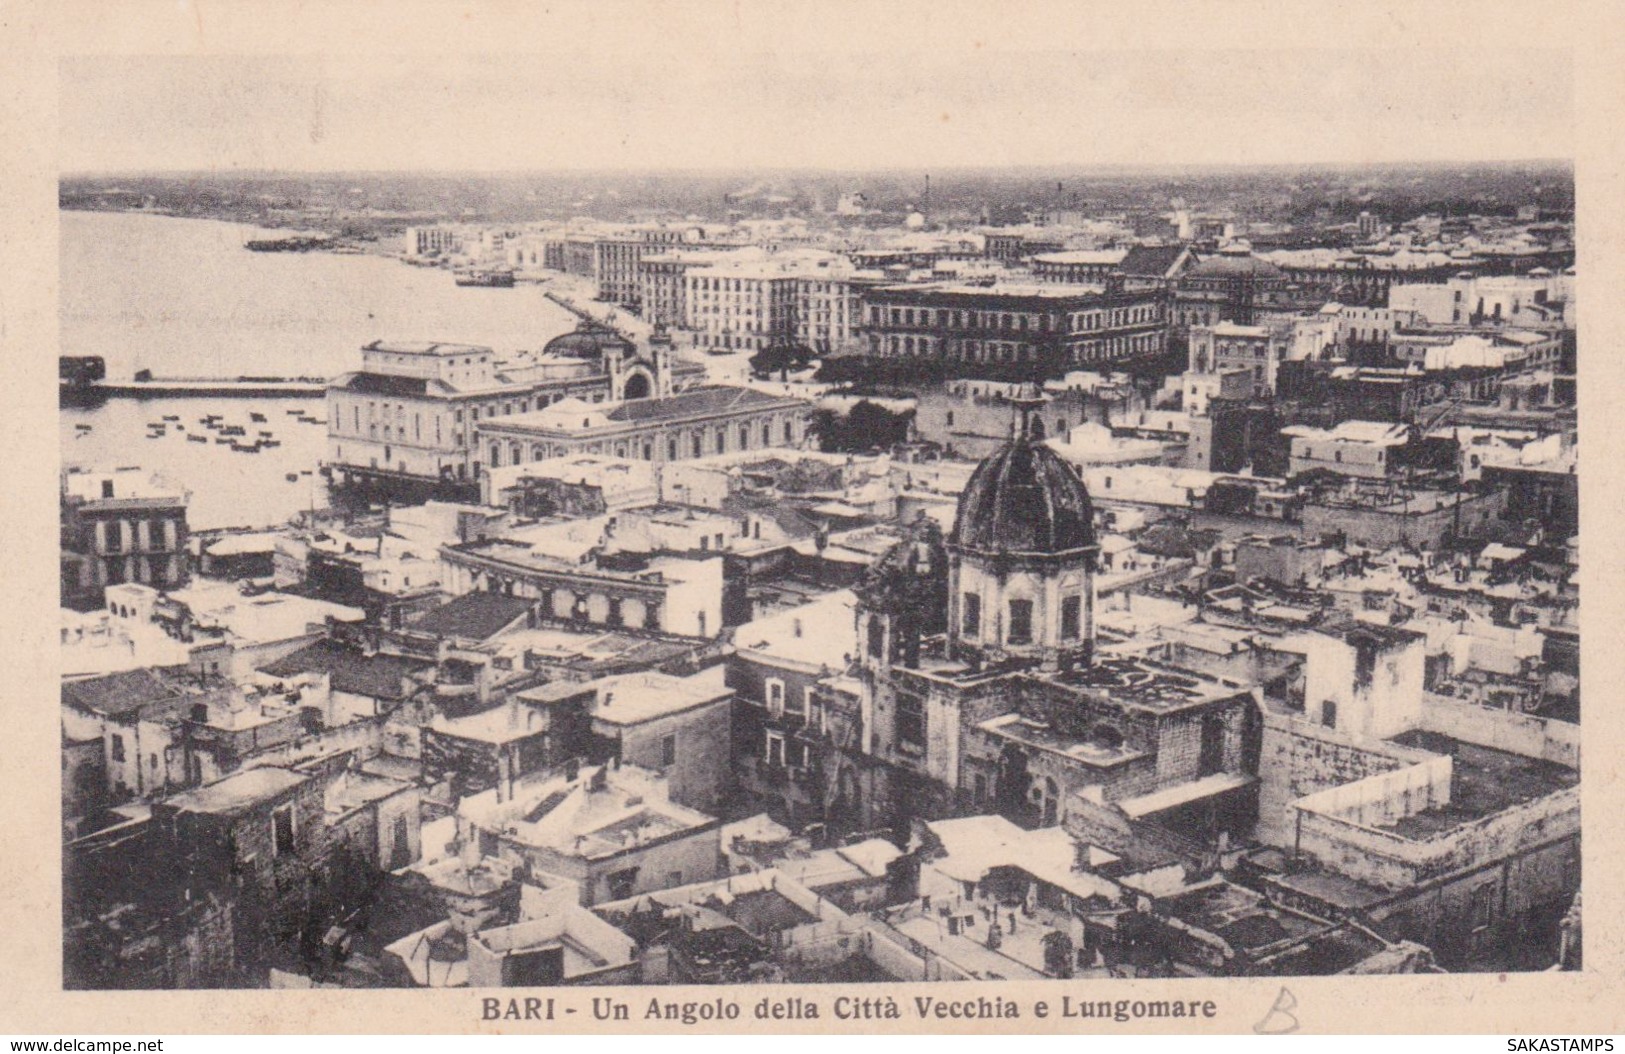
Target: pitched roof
(1150,261)
(376,676)
(790,519)
(694,402)
(472,616)
(119,693)
(385,384)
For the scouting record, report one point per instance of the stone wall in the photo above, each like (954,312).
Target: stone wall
(1392,861)
(699,776)
(1532,737)
(1300,759)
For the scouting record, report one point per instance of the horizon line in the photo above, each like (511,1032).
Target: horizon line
(1032,168)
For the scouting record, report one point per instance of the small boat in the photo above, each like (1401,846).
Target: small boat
(83,428)
(233,430)
(269,444)
(296,413)
(223,439)
(486,279)
(172,417)
(306,472)
(266,433)
(293,477)
(257,417)
(197,439)
(246,448)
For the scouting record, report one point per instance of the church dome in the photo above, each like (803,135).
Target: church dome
(1023,499)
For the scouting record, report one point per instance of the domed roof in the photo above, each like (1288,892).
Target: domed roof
(587,341)
(1024,499)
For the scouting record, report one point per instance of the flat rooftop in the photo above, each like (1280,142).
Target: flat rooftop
(1240,916)
(633,698)
(240,790)
(1137,683)
(1483,782)
(1031,733)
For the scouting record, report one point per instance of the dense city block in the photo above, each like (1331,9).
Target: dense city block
(832,580)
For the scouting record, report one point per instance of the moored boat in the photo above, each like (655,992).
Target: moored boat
(486,279)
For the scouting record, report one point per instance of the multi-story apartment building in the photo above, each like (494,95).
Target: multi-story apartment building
(426,241)
(121,526)
(749,301)
(615,266)
(1054,327)
(740,308)
(1227,348)
(662,286)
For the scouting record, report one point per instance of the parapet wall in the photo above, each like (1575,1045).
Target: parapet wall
(1386,797)
(1531,737)
(1300,758)
(1393,861)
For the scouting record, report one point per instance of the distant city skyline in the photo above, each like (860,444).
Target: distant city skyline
(973,108)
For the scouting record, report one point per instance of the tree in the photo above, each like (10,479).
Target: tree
(868,426)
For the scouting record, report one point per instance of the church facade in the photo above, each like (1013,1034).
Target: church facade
(977,686)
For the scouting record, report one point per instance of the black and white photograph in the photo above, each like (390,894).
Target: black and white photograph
(583,529)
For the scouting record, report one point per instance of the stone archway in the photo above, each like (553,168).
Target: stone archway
(639,385)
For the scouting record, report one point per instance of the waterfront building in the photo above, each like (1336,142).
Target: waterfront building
(407,421)
(126,525)
(431,241)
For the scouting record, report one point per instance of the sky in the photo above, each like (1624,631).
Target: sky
(974,106)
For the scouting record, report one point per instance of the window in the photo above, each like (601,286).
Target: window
(118,747)
(971,615)
(1483,906)
(795,754)
(282,830)
(622,884)
(796,705)
(775,748)
(1328,714)
(1071,620)
(775,695)
(1021,622)
(910,722)
(668,751)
